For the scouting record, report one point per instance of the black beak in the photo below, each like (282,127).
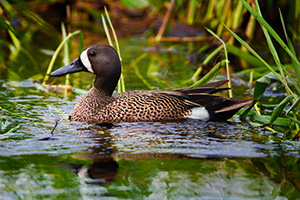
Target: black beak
(73,67)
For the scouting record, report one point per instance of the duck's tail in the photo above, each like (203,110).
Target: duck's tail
(219,108)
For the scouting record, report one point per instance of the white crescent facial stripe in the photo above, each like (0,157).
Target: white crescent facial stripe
(199,113)
(85,61)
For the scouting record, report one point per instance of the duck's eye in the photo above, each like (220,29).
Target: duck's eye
(92,53)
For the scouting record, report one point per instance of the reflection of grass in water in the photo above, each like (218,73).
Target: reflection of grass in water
(159,178)
(25,105)
(142,178)
(5,127)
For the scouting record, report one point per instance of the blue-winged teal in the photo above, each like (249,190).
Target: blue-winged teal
(99,105)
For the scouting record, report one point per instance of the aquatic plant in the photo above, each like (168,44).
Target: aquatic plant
(5,127)
(64,44)
(18,25)
(121,83)
(283,118)
(217,67)
(199,14)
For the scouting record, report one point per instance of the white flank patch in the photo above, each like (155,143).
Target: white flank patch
(85,61)
(199,113)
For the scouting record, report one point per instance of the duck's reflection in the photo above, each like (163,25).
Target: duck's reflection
(102,171)
(104,168)
(106,162)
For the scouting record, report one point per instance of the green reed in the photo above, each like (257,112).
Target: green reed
(16,38)
(58,49)
(279,117)
(121,83)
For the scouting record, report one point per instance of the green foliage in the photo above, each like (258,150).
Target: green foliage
(18,26)
(5,127)
(139,4)
(279,117)
(205,62)
(61,45)
(121,83)
(211,74)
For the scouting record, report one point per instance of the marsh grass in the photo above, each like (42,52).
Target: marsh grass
(199,14)
(59,48)
(67,42)
(121,83)
(285,117)
(6,128)
(18,25)
(226,60)
(281,119)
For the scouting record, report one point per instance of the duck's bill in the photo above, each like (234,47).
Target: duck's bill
(73,67)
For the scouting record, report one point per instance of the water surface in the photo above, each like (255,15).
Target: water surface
(175,160)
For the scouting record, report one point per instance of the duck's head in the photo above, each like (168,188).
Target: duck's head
(99,59)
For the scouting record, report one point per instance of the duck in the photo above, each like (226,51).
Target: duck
(100,105)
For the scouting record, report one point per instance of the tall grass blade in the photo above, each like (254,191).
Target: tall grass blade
(191,11)
(259,89)
(66,59)
(121,83)
(260,58)
(165,21)
(206,61)
(54,57)
(270,30)
(271,46)
(106,31)
(245,56)
(226,60)
(264,119)
(210,74)
(279,108)
(292,80)
(113,32)
(237,15)
(297,102)
(295,64)
(225,10)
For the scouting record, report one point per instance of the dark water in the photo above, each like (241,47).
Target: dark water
(175,160)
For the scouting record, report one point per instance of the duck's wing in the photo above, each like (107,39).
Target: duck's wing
(185,100)
(219,108)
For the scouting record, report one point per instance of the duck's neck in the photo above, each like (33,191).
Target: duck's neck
(105,85)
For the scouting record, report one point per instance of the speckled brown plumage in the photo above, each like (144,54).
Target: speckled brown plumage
(99,105)
(131,106)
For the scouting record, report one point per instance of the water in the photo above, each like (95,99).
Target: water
(175,160)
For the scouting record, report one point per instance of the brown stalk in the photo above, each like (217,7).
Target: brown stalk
(165,20)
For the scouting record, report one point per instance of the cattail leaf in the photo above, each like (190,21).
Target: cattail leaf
(279,108)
